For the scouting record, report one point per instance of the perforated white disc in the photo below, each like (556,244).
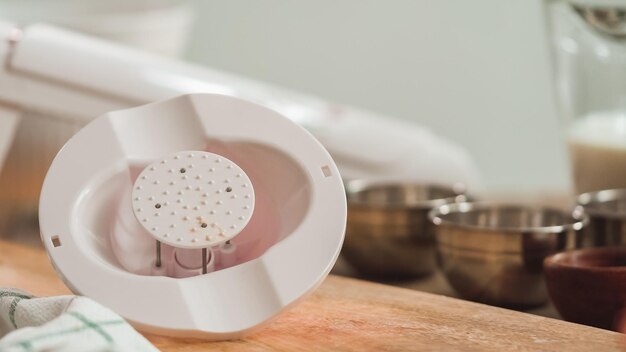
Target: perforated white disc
(193,199)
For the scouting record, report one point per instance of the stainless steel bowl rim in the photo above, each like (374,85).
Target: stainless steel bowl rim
(586,199)
(358,185)
(578,217)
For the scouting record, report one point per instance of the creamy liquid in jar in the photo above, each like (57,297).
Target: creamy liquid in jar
(598,151)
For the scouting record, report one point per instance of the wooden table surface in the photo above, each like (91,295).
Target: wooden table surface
(352,315)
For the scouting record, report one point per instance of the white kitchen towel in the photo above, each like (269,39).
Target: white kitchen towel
(63,323)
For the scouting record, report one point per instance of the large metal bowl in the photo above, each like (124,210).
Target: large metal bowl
(493,253)
(388,233)
(607,218)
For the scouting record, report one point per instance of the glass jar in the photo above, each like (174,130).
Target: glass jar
(588,40)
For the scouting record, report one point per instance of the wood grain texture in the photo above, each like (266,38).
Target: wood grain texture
(352,315)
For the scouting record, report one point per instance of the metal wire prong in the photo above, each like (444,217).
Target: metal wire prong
(204,263)
(158,254)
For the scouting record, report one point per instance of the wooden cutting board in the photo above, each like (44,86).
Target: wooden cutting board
(352,315)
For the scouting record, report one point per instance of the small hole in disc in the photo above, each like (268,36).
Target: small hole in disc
(203,225)
(182,170)
(229,189)
(158,206)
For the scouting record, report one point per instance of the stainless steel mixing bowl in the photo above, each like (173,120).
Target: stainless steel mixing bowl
(493,253)
(607,218)
(388,234)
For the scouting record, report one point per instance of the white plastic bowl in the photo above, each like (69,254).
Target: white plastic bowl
(286,250)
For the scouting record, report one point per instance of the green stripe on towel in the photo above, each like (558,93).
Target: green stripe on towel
(31,340)
(12,308)
(14,294)
(92,325)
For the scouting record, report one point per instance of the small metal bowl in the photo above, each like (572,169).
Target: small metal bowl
(493,253)
(388,233)
(607,218)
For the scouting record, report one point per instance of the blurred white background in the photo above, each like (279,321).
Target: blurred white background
(477,72)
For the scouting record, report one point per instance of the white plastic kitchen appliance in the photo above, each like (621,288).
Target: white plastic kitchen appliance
(68,77)
(198,216)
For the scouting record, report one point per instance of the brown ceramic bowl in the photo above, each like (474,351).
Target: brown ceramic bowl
(588,286)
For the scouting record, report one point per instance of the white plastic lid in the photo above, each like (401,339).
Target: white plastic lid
(274,242)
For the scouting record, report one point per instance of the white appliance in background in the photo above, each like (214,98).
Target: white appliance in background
(8,123)
(158,26)
(72,78)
